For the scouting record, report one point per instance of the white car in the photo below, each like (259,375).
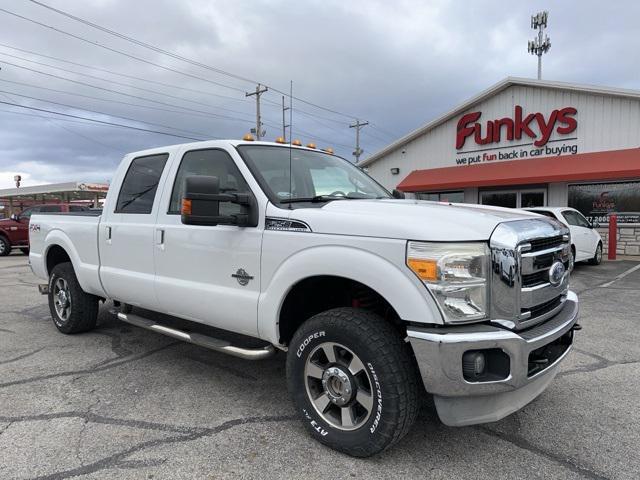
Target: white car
(586,242)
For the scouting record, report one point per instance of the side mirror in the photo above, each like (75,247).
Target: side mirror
(15,217)
(201,204)
(398,194)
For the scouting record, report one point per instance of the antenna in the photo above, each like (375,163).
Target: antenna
(290,140)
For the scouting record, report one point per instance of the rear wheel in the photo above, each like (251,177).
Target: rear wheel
(5,246)
(352,377)
(72,310)
(597,256)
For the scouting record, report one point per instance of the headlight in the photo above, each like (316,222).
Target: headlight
(456,273)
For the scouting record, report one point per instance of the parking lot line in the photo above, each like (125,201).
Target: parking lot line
(621,276)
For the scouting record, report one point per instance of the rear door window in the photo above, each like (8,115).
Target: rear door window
(77,208)
(138,190)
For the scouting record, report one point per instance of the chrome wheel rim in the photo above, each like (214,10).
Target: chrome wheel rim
(3,246)
(599,254)
(338,386)
(62,299)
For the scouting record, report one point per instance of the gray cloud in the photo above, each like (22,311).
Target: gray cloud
(396,64)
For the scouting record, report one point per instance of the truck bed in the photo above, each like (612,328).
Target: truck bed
(77,234)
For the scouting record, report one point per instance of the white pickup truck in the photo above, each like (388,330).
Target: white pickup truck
(255,247)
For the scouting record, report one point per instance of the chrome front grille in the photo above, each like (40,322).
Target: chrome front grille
(527,284)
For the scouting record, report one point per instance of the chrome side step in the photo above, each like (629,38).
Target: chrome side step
(198,339)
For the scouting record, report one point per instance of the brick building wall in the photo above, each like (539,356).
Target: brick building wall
(628,240)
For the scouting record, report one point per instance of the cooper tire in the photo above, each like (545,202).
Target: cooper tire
(5,246)
(385,369)
(72,310)
(597,256)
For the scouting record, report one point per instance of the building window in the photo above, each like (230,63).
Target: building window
(524,198)
(452,197)
(597,200)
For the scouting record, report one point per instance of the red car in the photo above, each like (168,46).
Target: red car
(14,231)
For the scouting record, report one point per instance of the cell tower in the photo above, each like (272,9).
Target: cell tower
(542,44)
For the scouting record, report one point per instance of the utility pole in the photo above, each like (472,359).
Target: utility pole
(259,91)
(539,46)
(358,125)
(284,124)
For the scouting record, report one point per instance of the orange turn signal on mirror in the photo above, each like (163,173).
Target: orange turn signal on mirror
(186,207)
(424,269)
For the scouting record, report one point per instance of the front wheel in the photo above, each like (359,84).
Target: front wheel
(353,379)
(5,246)
(597,256)
(72,310)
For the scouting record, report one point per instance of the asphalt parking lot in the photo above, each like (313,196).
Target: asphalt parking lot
(121,402)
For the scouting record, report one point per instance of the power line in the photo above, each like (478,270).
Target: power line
(113,124)
(120,52)
(101,113)
(108,100)
(91,42)
(313,116)
(386,132)
(128,85)
(122,93)
(176,56)
(141,43)
(124,75)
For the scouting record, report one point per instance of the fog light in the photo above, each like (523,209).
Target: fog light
(473,365)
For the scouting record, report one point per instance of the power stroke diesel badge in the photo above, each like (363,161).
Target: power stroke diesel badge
(242,277)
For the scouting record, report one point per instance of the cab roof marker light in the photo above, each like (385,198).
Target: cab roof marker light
(248,137)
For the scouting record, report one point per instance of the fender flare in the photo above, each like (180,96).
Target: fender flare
(87,274)
(404,292)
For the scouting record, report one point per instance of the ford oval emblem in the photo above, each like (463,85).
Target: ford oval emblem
(556,273)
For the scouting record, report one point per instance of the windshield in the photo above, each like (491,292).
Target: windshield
(316,176)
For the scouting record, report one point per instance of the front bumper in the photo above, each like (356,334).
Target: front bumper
(460,402)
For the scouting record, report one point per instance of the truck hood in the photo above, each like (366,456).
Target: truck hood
(407,219)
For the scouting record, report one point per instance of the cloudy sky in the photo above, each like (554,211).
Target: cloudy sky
(395,64)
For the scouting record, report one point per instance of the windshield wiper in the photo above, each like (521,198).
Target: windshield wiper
(317,198)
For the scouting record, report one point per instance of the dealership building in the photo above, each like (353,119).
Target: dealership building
(527,143)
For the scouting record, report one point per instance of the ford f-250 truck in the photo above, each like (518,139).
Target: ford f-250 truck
(257,247)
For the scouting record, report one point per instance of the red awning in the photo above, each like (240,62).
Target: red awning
(615,164)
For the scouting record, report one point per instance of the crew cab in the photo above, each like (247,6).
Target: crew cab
(14,231)
(250,248)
